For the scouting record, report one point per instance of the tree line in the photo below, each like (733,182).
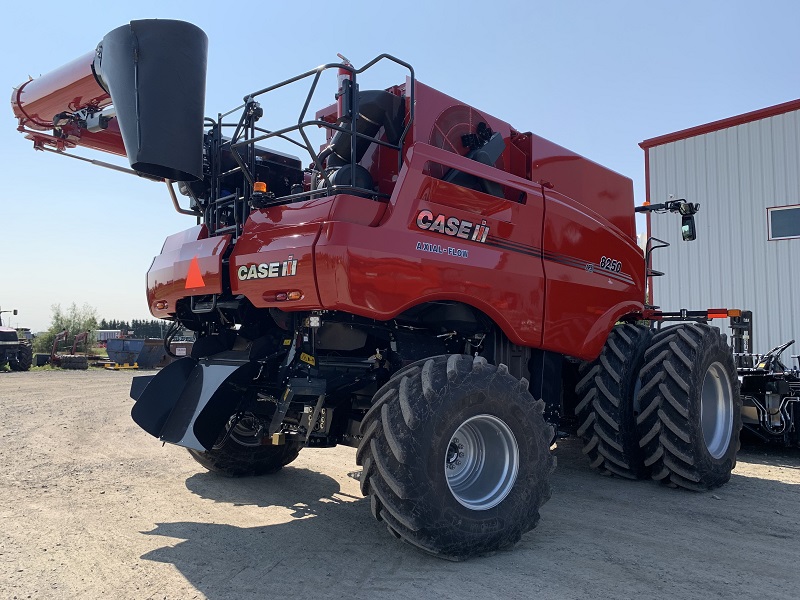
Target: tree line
(77,319)
(141,328)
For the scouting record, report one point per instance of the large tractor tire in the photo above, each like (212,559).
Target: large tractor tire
(456,456)
(24,358)
(241,453)
(691,408)
(607,410)
(74,362)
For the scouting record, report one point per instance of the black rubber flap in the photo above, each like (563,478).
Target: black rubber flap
(155,71)
(212,393)
(155,402)
(139,384)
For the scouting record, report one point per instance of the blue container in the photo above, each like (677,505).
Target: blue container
(124,350)
(148,354)
(152,354)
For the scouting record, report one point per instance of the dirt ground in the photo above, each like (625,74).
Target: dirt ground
(93,507)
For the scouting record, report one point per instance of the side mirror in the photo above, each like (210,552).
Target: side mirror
(688,231)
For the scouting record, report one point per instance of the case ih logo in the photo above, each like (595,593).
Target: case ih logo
(452,226)
(287,268)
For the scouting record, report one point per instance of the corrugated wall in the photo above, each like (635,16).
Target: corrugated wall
(735,174)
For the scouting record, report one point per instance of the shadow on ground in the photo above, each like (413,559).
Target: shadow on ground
(600,537)
(329,540)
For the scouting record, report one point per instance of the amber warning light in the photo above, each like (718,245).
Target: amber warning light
(722,313)
(291,296)
(260,187)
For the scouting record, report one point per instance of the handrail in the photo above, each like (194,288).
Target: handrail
(302,124)
(246,134)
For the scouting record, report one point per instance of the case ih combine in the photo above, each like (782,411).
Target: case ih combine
(422,287)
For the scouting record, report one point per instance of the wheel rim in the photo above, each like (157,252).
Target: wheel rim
(716,410)
(482,462)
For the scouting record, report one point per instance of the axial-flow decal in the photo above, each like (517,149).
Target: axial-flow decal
(439,249)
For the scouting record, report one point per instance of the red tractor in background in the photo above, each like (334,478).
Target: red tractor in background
(431,285)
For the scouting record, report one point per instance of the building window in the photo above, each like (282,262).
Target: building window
(783,222)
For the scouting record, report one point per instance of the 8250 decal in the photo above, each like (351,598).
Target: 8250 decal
(610,264)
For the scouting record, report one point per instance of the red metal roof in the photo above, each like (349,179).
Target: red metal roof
(755,115)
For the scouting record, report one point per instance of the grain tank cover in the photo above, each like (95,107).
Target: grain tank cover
(155,72)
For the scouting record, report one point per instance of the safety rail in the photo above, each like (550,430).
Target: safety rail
(226,212)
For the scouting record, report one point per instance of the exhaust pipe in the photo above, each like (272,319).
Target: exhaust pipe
(155,72)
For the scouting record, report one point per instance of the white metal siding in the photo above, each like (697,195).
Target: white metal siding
(735,174)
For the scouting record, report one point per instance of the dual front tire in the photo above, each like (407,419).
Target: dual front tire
(671,411)
(690,416)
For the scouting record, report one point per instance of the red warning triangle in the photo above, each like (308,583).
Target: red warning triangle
(193,278)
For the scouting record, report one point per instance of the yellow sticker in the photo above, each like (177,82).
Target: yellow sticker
(307,358)
(287,342)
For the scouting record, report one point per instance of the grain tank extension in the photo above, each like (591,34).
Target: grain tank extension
(424,282)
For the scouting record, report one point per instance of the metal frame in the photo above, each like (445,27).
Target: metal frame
(246,134)
(776,209)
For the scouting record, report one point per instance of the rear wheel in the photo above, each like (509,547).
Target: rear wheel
(607,410)
(24,358)
(240,452)
(691,408)
(455,455)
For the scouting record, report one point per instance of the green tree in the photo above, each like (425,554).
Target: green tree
(153,328)
(75,320)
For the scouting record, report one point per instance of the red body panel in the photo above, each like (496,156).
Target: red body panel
(168,278)
(599,189)
(289,233)
(537,273)
(382,271)
(585,299)
(292,246)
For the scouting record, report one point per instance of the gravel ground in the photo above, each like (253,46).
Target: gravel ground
(93,507)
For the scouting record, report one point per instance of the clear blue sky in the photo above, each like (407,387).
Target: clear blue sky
(596,77)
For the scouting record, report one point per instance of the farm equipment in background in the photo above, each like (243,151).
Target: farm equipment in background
(427,284)
(73,360)
(15,350)
(135,353)
(770,389)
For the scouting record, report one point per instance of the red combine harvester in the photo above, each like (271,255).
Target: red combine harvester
(436,288)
